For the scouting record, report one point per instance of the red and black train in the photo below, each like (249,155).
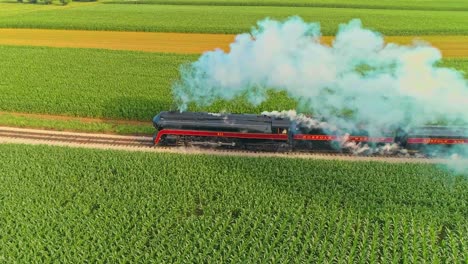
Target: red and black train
(270,133)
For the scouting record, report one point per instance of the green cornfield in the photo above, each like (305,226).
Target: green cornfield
(451,5)
(107,84)
(76,205)
(227,19)
(87,82)
(70,205)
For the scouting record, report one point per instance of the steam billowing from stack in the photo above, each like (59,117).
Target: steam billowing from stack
(377,84)
(381,84)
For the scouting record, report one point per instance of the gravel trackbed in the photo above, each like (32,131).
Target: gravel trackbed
(9,135)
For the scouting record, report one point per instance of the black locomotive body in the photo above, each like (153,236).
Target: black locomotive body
(245,123)
(214,129)
(263,132)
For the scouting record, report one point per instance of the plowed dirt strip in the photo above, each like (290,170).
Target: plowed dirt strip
(10,135)
(140,41)
(451,46)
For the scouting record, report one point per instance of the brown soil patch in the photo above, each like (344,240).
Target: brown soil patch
(189,43)
(141,41)
(450,46)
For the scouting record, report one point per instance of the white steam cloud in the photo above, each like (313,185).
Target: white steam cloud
(380,84)
(358,80)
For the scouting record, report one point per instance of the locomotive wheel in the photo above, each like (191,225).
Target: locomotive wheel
(169,140)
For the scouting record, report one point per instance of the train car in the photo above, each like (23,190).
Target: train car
(269,133)
(356,141)
(260,132)
(437,140)
(228,130)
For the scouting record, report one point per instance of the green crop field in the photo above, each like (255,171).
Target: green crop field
(104,83)
(448,5)
(87,82)
(77,205)
(96,83)
(452,5)
(227,19)
(75,124)
(68,205)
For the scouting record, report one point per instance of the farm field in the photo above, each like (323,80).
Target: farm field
(449,5)
(100,84)
(109,66)
(79,124)
(97,83)
(185,43)
(143,207)
(226,19)
(452,5)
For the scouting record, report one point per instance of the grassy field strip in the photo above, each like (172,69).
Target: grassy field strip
(190,43)
(13,9)
(452,5)
(80,124)
(229,19)
(82,119)
(71,205)
(434,5)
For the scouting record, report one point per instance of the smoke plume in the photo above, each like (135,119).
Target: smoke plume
(359,74)
(359,79)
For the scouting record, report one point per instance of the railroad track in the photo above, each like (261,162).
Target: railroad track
(144,143)
(75,138)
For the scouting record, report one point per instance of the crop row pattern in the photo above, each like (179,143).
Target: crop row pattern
(109,84)
(73,204)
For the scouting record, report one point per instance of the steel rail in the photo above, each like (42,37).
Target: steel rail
(145,143)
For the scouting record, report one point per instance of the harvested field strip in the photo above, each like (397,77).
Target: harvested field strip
(232,19)
(116,40)
(149,207)
(189,43)
(450,46)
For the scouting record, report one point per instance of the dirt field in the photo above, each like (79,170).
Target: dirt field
(142,41)
(451,46)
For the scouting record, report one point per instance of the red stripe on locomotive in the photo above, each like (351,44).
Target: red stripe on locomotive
(445,141)
(219,134)
(341,138)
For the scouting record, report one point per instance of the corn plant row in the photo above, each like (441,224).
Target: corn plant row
(108,84)
(76,205)
(452,5)
(227,19)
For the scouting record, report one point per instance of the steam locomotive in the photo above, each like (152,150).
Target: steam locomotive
(271,133)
